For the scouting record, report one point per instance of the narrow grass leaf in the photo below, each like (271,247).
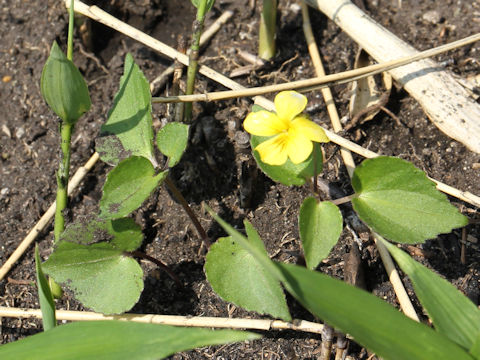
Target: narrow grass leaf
(47,305)
(320,225)
(398,201)
(475,349)
(452,313)
(116,340)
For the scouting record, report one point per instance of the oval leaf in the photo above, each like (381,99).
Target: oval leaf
(452,313)
(128,130)
(127,186)
(237,277)
(116,340)
(399,202)
(320,227)
(172,141)
(63,87)
(289,173)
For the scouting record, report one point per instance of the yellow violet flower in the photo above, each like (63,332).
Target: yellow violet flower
(292,132)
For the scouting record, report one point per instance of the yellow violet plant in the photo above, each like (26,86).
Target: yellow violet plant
(291,132)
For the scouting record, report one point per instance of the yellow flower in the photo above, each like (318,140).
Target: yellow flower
(292,132)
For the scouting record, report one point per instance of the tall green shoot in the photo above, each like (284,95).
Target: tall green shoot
(266,37)
(203,6)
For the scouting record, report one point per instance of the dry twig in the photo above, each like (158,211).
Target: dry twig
(190,321)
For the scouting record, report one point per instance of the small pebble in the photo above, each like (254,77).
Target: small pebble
(432,17)
(20,132)
(6,130)
(295,8)
(4,191)
(476,166)
(242,139)
(472,239)
(6,78)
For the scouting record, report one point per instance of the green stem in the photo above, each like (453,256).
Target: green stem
(70,32)
(193,57)
(62,178)
(266,37)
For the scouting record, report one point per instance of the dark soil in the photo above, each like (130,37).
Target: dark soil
(210,171)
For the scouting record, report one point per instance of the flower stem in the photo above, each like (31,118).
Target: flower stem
(266,37)
(70,31)
(193,57)
(179,197)
(62,178)
(157,262)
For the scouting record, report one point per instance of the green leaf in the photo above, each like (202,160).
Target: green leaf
(372,322)
(116,340)
(101,275)
(289,173)
(252,246)
(475,349)
(237,277)
(63,87)
(44,295)
(128,130)
(452,313)
(127,186)
(172,141)
(399,202)
(320,227)
(209,4)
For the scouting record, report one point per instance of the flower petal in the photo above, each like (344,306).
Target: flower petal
(298,147)
(264,123)
(289,104)
(309,129)
(273,151)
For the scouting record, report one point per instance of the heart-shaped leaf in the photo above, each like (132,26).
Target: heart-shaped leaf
(172,141)
(101,275)
(127,186)
(237,277)
(320,225)
(128,130)
(399,202)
